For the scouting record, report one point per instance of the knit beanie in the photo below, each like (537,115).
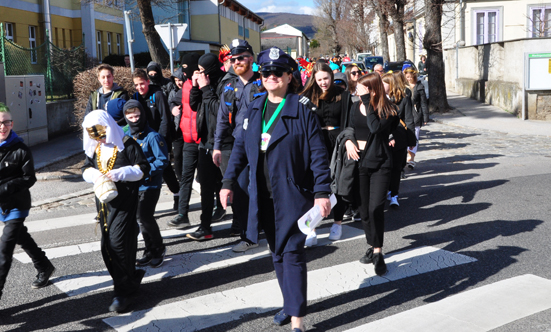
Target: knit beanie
(189,63)
(209,62)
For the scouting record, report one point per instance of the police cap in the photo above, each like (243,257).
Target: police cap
(239,46)
(275,57)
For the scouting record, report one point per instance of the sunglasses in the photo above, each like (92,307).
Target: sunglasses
(97,132)
(239,58)
(354,73)
(276,73)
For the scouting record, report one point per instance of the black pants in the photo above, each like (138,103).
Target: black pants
(210,179)
(168,174)
(152,238)
(290,267)
(240,204)
(373,189)
(398,163)
(16,233)
(177,151)
(190,157)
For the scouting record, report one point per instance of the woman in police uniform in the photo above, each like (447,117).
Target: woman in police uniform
(289,173)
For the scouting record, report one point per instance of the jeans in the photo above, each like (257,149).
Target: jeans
(374,185)
(16,233)
(190,157)
(150,230)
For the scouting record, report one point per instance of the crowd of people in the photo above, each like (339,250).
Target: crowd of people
(273,140)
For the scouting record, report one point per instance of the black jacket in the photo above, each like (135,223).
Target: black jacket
(405,113)
(16,174)
(343,170)
(421,110)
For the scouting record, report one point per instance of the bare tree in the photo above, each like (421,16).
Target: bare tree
(396,10)
(330,14)
(432,42)
(156,49)
(382,13)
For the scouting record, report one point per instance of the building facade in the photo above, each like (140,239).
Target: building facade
(289,39)
(100,21)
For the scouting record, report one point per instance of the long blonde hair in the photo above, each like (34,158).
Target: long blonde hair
(395,90)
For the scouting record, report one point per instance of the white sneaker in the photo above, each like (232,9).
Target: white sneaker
(388,196)
(411,164)
(336,232)
(311,239)
(244,246)
(394,201)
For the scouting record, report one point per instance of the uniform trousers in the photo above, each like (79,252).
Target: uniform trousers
(16,233)
(240,204)
(210,179)
(374,185)
(290,267)
(152,238)
(190,156)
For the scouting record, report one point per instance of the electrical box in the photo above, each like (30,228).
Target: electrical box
(26,98)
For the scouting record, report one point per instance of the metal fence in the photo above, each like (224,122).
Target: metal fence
(59,66)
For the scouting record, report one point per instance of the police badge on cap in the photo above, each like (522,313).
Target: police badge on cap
(274,53)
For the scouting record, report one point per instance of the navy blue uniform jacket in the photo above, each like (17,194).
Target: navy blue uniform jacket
(297,162)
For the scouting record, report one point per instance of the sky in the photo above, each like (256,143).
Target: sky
(280,6)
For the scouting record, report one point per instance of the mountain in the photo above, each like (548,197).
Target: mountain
(304,23)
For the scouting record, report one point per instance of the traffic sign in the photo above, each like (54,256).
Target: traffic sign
(177,30)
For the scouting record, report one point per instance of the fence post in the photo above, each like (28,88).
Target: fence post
(48,66)
(3,47)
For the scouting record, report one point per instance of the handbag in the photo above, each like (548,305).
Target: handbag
(105,189)
(410,136)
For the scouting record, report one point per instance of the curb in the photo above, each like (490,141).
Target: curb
(56,160)
(57,177)
(63,197)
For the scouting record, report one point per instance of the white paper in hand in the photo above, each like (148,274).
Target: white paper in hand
(311,219)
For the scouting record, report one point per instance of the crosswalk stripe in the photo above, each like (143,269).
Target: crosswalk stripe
(229,305)
(186,263)
(478,310)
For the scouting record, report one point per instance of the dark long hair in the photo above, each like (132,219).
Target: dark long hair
(378,100)
(312,90)
(351,84)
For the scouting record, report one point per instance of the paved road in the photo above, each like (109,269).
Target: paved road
(467,251)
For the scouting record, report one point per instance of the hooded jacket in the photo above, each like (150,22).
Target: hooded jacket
(98,99)
(16,177)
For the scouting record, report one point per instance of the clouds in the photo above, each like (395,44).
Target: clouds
(274,6)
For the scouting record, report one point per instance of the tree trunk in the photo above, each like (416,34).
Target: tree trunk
(383,27)
(432,42)
(156,49)
(398,22)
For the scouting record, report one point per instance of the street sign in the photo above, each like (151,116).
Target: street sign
(177,30)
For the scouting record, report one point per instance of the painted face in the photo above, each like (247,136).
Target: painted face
(141,85)
(323,80)
(6,124)
(134,116)
(106,79)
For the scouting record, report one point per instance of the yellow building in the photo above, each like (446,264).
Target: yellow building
(25,23)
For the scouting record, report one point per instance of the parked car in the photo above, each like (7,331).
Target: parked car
(361,56)
(357,63)
(371,61)
(397,66)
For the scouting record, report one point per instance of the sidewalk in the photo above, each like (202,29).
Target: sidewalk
(471,113)
(57,149)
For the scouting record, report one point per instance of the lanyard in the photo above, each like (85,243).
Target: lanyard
(265,126)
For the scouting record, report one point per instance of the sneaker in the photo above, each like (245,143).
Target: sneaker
(394,202)
(200,234)
(368,257)
(380,265)
(388,197)
(244,246)
(120,304)
(179,222)
(411,164)
(43,277)
(145,260)
(281,318)
(336,232)
(158,261)
(311,239)
(357,216)
(348,214)
(218,214)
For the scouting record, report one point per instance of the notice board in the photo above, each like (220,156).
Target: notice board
(538,71)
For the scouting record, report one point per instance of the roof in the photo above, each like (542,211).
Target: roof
(242,10)
(283,30)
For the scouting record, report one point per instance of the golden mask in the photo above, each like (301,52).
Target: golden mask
(97,132)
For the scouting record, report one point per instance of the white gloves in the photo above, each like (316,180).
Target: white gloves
(126,173)
(90,175)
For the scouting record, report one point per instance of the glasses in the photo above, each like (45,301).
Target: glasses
(239,58)
(354,73)
(6,123)
(276,73)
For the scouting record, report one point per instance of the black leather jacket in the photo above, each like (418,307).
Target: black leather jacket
(16,175)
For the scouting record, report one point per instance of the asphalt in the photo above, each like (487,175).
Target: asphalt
(466,113)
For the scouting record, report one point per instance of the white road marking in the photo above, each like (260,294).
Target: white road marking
(176,265)
(478,310)
(217,308)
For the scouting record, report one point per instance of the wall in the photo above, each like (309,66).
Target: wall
(61,118)
(494,74)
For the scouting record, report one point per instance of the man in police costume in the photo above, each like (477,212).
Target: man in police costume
(234,102)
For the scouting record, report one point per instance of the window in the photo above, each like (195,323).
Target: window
(246,33)
(118,43)
(240,32)
(10,34)
(540,21)
(486,26)
(32,43)
(98,48)
(109,43)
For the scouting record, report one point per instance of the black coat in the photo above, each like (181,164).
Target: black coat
(16,175)
(405,113)
(344,170)
(421,110)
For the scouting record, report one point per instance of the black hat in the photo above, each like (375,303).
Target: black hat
(275,57)
(210,63)
(239,46)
